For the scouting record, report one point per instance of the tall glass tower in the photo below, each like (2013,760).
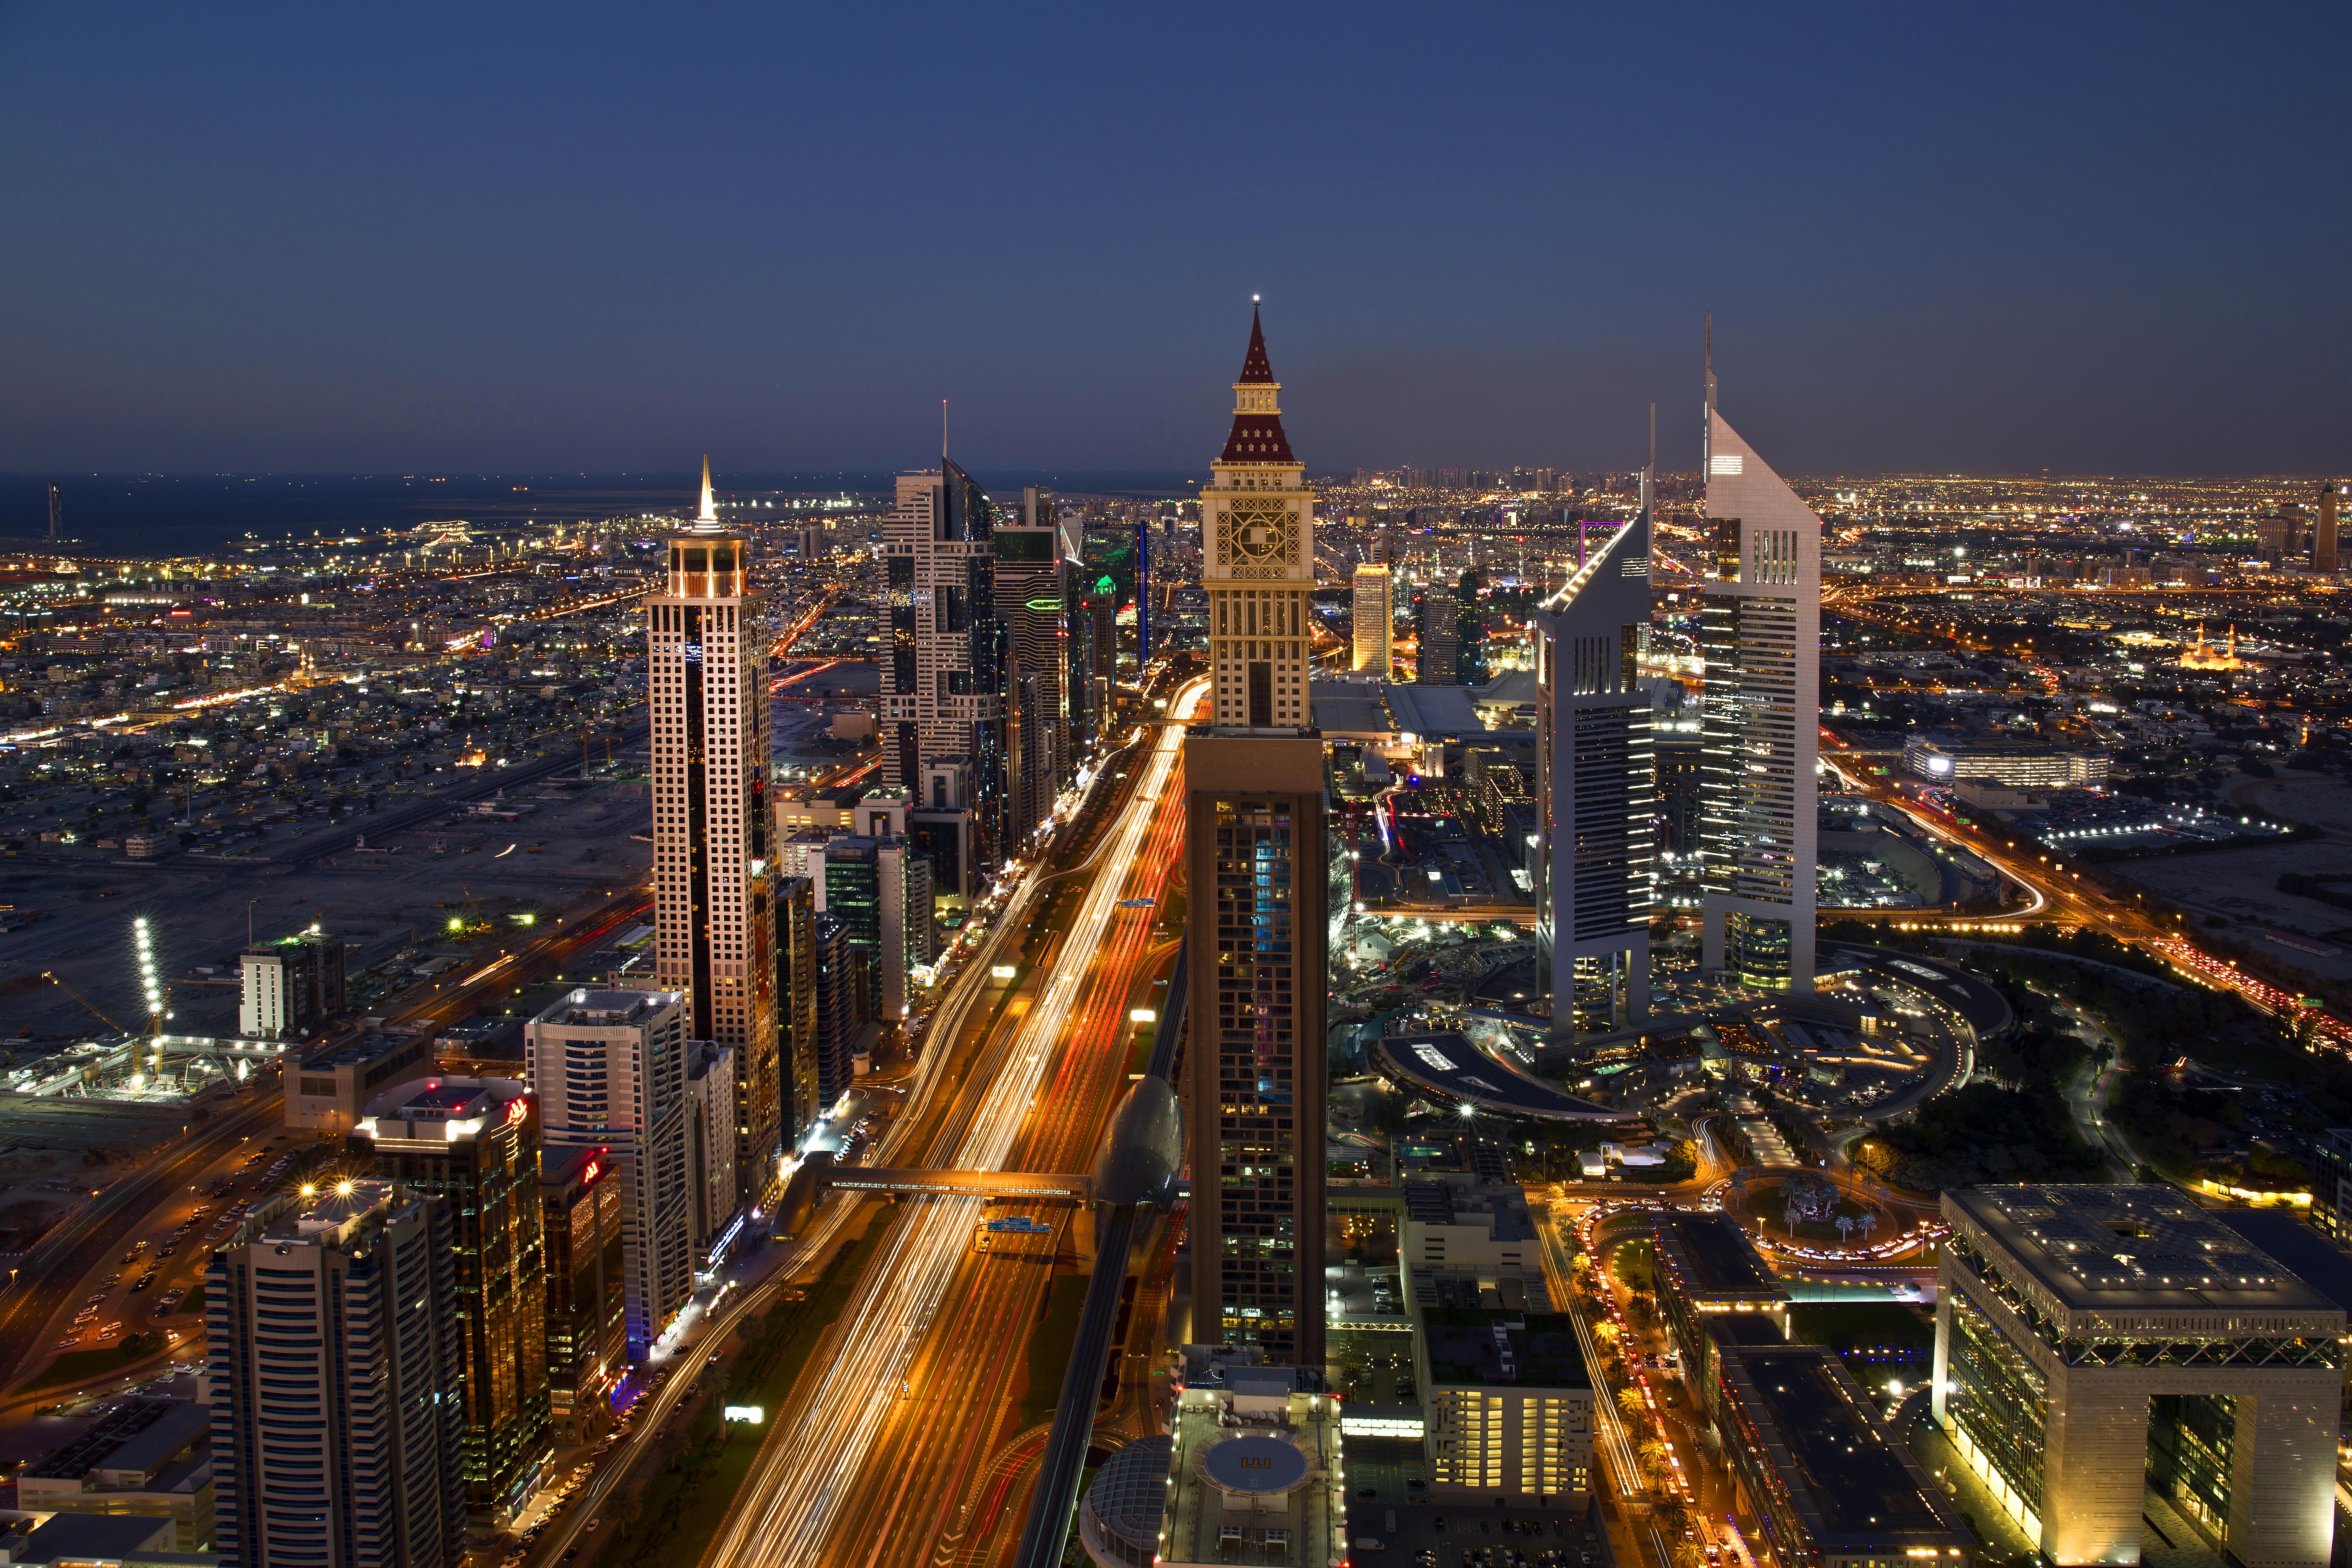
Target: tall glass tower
(1760,631)
(707,646)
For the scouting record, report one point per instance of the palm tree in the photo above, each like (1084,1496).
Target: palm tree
(1629,1401)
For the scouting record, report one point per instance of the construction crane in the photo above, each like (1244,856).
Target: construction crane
(87,1005)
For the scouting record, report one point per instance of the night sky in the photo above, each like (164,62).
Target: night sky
(405,238)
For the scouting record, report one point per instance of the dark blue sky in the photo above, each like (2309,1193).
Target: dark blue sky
(412,236)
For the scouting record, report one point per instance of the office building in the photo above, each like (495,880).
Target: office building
(1434,657)
(1818,1480)
(707,644)
(1374,618)
(711,1147)
(587,1308)
(291,987)
(943,703)
(880,889)
(1596,788)
(1464,1242)
(841,1015)
(609,1069)
(2095,1344)
(333,1349)
(1258,866)
(799,1042)
(328,1092)
(1257,560)
(2323,538)
(1254,1471)
(1509,1407)
(1470,628)
(2331,1184)
(475,1141)
(142,1458)
(1715,1289)
(1030,600)
(1759,633)
(2008,764)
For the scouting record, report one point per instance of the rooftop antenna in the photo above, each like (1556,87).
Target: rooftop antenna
(1650,470)
(1710,361)
(709,512)
(943,430)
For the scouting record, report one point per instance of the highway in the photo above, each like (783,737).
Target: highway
(880,1455)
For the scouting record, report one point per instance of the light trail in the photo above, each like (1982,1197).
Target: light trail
(808,1470)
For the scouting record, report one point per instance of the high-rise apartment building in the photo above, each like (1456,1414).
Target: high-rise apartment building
(587,1309)
(1374,618)
(609,1069)
(1470,628)
(709,1147)
(1759,633)
(1435,660)
(1257,565)
(475,1141)
(1029,599)
(841,1009)
(291,986)
(796,1003)
(1595,788)
(1257,863)
(707,644)
(943,703)
(332,1360)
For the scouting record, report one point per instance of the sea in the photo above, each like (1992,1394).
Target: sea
(196,514)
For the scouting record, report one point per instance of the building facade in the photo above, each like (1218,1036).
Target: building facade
(706,647)
(1509,1406)
(1030,578)
(1596,787)
(799,1042)
(1760,624)
(943,703)
(2093,1344)
(291,987)
(1373,619)
(609,1069)
(475,1141)
(710,1147)
(587,1308)
(332,1346)
(1434,649)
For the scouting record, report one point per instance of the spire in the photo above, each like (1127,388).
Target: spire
(1255,371)
(709,514)
(1710,361)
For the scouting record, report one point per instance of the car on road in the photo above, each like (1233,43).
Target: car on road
(143,1281)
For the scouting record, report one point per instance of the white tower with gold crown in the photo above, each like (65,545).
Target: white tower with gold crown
(1257,560)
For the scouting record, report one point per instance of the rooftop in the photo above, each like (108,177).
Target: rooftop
(139,1435)
(1713,1260)
(441,1109)
(1487,1348)
(2130,1247)
(1808,1422)
(590,1009)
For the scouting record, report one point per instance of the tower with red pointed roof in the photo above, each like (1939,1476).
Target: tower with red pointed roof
(1256,929)
(1257,559)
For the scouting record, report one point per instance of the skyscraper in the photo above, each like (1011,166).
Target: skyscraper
(609,1069)
(1434,657)
(331,1337)
(1257,862)
(796,997)
(1760,632)
(1256,515)
(2322,541)
(475,1141)
(943,703)
(1470,628)
(707,644)
(1594,787)
(587,1309)
(1029,596)
(1375,617)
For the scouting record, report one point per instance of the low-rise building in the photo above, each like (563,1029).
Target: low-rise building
(1711,1279)
(1508,1407)
(1457,1227)
(150,1457)
(329,1093)
(1254,1473)
(1820,1485)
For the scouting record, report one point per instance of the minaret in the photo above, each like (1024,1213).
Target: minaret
(1256,930)
(706,647)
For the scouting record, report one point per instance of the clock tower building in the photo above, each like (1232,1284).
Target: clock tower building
(1258,563)
(1257,864)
